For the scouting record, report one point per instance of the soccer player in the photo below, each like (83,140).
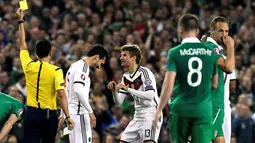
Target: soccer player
(77,91)
(11,111)
(219,36)
(191,73)
(43,81)
(138,82)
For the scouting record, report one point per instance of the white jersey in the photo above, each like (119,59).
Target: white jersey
(227,79)
(142,80)
(77,97)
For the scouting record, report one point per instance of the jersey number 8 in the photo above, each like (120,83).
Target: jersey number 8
(194,71)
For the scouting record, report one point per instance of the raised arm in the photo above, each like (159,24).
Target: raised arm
(228,65)
(22,36)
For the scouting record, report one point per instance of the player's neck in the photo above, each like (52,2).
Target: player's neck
(88,61)
(189,35)
(133,68)
(46,59)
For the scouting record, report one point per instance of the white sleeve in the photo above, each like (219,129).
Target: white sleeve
(232,76)
(119,97)
(81,90)
(146,95)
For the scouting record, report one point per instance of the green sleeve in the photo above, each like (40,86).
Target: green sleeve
(170,64)
(215,69)
(18,110)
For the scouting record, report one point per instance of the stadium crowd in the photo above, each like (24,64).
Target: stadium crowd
(74,26)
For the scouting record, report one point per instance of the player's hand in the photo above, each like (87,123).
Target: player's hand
(156,119)
(70,123)
(20,14)
(111,85)
(121,86)
(60,122)
(92,120)
(228,41)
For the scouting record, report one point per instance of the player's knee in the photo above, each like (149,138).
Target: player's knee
(149,142)
(219,140)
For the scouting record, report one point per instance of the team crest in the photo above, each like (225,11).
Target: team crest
(83,77)
(20,111)
(216,50)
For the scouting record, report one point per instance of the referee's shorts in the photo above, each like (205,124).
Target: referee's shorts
(40,125)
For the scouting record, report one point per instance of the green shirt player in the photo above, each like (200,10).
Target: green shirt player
(191,73)
(219,36)
(11,111)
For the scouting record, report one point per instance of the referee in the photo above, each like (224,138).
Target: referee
(44,81)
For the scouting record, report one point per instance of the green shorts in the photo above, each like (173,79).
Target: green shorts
(200,129)
(218,117)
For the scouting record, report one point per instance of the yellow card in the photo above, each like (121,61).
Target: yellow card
(23,5)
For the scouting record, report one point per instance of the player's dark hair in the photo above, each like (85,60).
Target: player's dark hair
(216,20)
(188,22)
(43,48)
(98,50)
(134,50)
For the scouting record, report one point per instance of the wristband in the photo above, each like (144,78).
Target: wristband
(20,21)
(67,117)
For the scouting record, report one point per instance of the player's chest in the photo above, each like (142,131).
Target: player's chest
(133,82)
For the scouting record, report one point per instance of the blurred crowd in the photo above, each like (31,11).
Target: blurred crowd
(74,26)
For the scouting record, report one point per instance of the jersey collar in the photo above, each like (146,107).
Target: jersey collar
(190,40)
(214,42)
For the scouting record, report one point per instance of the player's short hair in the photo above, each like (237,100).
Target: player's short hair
(43,48)
(134,50)
(216,20)
(188,22)
(98,50)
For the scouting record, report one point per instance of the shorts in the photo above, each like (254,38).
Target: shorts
(200,129)
(139,131)
(82,130)
(218,117)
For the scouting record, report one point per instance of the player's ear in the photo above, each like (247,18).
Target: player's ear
(197,31)
(50,54)
(180,29)
(96,57)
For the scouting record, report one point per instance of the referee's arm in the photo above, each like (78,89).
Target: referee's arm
(22,37)
(59,86)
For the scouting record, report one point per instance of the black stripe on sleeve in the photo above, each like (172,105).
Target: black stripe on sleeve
(57,69)
(150,89)
(29,63)
(80,82)
(123,92)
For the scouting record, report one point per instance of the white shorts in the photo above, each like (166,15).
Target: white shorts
(226,126)
(82,130)
(139,131)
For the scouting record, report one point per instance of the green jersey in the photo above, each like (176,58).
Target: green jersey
(194,64)
(218,93)
(8,106)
